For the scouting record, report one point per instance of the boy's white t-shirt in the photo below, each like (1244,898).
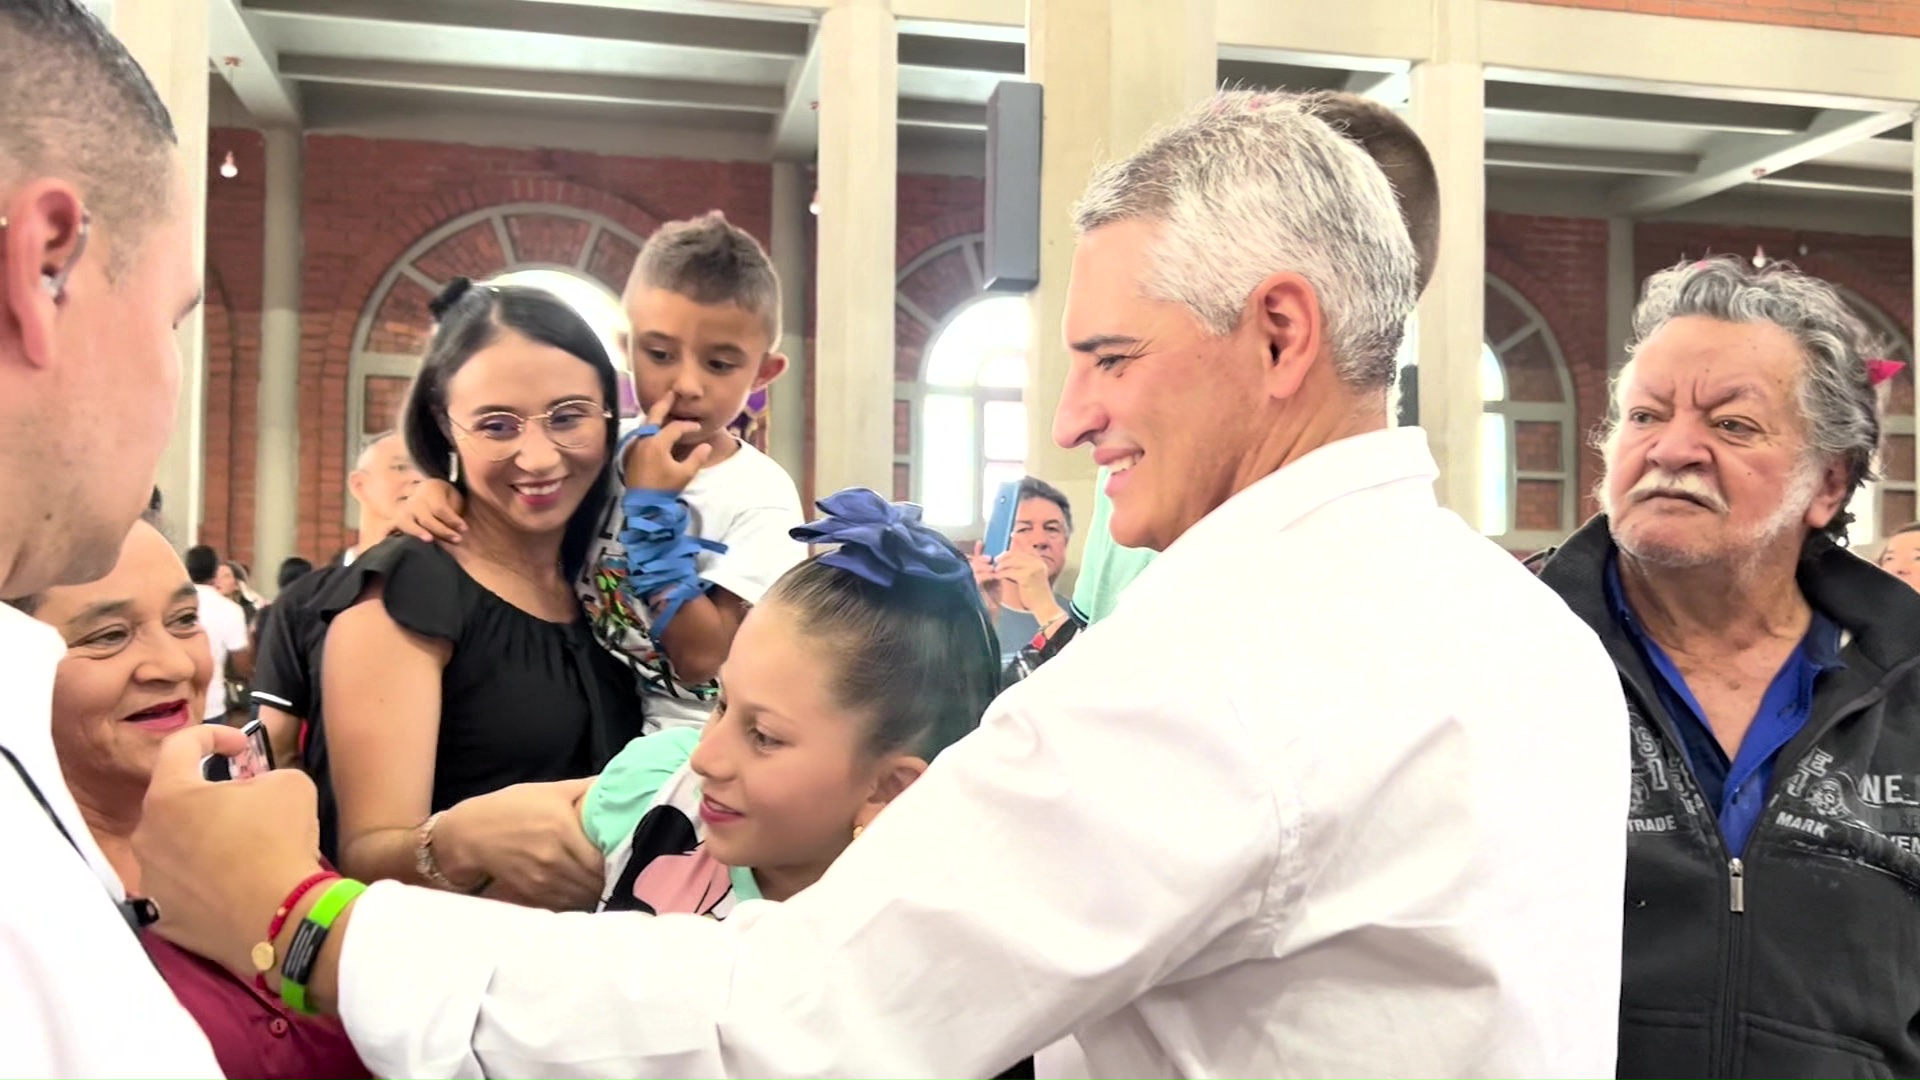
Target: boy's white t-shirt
(747,502)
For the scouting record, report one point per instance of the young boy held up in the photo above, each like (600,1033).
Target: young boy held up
(701,530)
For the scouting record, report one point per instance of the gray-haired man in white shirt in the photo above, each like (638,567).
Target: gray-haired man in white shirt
(1336,790)
(96,270)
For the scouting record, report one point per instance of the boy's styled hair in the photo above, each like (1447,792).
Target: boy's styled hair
(711,261)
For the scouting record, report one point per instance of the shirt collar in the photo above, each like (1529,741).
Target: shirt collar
(1339,468)
(30,654)
(29,649)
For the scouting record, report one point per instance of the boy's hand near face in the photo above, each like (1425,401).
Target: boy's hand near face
(653,463)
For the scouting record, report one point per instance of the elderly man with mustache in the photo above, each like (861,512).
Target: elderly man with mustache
(1772,909)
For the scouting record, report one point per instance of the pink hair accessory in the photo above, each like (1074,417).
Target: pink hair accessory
(1879,371)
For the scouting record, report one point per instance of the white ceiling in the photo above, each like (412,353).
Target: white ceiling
(711,78)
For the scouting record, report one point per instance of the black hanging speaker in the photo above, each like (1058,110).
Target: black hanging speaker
(1013,187)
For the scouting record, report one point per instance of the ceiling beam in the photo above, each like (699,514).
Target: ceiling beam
(1705,57)
(953,116)
(960,17)
(246,59)
(1732,160)
(1732,116)
(801,11)
(1587,160)
(796,134)
(1843,179)
(782,40)
(1267,75)
(552,86)
(961,54)
(1390,88)
(1344,33)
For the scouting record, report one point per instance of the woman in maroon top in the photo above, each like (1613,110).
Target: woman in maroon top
(137,668)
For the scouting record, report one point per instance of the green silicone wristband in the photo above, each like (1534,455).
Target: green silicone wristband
(304,951)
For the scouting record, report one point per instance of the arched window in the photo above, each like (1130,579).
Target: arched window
(972,423)
(960,426)
(578,254)
(598,305)
(1884,506)
(1528,454)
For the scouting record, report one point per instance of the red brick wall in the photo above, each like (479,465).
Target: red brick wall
(236,211)
(1878,268)
(1869,16)
(368,201)
(365,203)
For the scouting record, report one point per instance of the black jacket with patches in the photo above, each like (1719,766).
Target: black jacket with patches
(1803,957)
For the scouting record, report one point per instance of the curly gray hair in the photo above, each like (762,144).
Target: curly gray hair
(1250,183)
(1838,404)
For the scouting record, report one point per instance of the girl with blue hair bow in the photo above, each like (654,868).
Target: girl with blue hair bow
(856,669)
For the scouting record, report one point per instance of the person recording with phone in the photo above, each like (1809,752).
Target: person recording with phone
(1017,566)
(137,667)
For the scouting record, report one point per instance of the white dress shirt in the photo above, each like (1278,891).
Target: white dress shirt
(1336,791)
(77,993)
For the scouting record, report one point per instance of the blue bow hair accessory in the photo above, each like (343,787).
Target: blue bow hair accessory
(882,541)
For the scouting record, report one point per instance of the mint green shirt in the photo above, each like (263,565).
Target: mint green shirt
(651,773)
(1106,568)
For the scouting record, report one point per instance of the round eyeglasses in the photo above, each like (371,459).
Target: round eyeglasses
(570,425)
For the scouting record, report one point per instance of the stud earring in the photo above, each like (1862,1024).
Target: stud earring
(857,830)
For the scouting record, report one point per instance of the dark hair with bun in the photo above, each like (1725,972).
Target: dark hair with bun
(472,317)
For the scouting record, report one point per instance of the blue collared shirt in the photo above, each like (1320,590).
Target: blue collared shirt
(1737,789)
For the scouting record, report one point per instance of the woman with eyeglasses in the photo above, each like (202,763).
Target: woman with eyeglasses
(464,701)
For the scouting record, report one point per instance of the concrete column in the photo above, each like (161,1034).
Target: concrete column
(1449,94)
(169,39)
(787,403)
(276,476)
(853,378)
(1623,291)
(1113,70)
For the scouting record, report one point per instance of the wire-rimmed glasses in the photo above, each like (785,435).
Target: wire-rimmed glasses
(570,425)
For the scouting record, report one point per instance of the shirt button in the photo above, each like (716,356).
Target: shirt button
(278,1027)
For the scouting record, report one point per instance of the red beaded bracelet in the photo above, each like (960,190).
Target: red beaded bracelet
(264,956)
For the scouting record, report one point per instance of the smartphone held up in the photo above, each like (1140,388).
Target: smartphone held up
(999,535)
(255,760)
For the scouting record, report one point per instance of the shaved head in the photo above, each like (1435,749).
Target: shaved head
(1397,149)
(78,107)
(370,454)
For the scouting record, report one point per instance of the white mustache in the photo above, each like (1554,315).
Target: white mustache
(1688,485)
